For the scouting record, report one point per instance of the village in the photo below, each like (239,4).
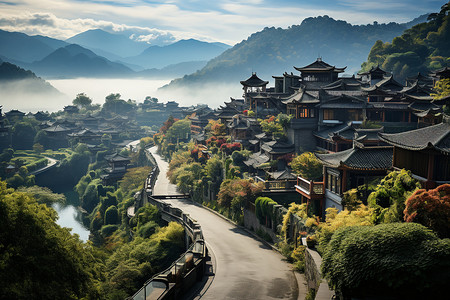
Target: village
(313,142)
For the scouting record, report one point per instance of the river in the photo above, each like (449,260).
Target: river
(70,216)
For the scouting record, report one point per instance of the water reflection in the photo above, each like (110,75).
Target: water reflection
(70,216)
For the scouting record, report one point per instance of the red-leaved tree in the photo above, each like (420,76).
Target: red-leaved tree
(430,208)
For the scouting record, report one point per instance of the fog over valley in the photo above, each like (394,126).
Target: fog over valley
(18,95)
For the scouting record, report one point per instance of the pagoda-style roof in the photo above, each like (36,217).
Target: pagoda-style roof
(85,133)
(417,89)
(117,158)
(254,81)
(388,84)
(359,158)
(282,175)
(277,147)
(14,112)
(320,66)
(344,102)
(257,159)
(349,132)
(441,73)
(432,137)
(57,128)
(428,113)
(374,70)
(420,79)
(301,97)
(424,105)
(344,84)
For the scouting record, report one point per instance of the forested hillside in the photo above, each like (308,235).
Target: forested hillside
(424,47)
(273,51)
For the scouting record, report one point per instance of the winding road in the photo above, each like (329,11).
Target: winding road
(245,268)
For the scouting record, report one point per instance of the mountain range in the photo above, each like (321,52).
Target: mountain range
(50,57)
(274,51)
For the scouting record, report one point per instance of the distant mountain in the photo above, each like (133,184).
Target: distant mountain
(21,47)
(181,51)
(274,51)
(76,61)
(17,81)
(423,48)
(109,45)
(52,43)
(173,71)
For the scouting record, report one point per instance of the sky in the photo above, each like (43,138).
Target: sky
(165,21)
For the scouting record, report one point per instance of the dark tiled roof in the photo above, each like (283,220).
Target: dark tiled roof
(320,65)
(345,102)
(376,69)
(370,158)
(424,105)
(277,147)
(257,159)
(301,96)
(57,128)
(431,137)
(387,84)
(117,158)
(285,174)
(254,81)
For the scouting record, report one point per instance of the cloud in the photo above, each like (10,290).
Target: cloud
(165,21)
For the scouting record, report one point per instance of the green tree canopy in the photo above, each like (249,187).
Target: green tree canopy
(38,258)
(307,166)
(389,196)
(399,260)
(82,100)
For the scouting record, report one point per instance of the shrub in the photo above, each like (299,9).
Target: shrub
(430,208)
(107,230)
(400,260)
(111,215)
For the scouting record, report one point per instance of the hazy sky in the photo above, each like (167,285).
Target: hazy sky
(228,21)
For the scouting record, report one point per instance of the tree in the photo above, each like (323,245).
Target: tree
(180,130)
(389,196)
(82,100)
(38,258)
(111,216)
(430,208)
(442,89)
(38,148)
(387,260)
(307,166)
(23,134)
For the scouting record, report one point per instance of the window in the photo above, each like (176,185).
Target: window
(292,110)
(328,114)
(334,183)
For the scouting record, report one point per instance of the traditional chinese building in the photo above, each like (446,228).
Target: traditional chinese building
(349,169)
(425,152)
(117,168)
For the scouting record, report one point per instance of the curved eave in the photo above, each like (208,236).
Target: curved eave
(246,84)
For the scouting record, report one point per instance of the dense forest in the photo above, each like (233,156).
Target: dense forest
(273,51)
(423,48)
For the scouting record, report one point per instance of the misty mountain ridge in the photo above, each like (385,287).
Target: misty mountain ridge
(274,51)
(16,82)
(76,61)
(110,45)
(21,47)
(141,55)
(181,51)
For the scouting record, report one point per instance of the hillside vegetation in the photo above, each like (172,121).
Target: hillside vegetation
(424,47)
(273,51)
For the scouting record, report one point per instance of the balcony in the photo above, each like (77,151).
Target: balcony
(276,185)
(309,188)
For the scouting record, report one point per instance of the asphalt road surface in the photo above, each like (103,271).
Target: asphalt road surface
(245,268)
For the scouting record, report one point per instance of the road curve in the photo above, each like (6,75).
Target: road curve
(245,267)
